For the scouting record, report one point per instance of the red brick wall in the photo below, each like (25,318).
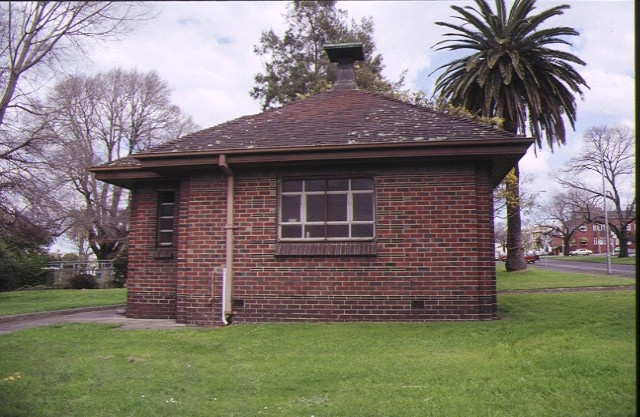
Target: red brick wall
(434,251)
(434,248)
(201,249)
(151,283)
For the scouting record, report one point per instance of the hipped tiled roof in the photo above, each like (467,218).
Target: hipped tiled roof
(343,121)
(346,117)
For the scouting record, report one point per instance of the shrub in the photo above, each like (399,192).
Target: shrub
(21,268)
(83,281)
(119,265)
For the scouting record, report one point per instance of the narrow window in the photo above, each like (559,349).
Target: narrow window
(327,209)
(166,205)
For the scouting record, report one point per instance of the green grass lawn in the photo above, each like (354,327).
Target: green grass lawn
(18,302)
(596,259)
(539,278)
(552,354)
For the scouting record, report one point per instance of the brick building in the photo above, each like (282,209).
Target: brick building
(592,236)
(343,206)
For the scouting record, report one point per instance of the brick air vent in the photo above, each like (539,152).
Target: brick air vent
(163,253)
(326,249)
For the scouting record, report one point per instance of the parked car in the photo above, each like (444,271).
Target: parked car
(530,259)
(581,251)
(630,251)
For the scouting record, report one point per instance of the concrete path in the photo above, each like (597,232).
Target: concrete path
(107,314)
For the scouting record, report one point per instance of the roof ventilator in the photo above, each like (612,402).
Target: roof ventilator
(345,54)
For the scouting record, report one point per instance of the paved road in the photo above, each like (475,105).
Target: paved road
(622,271)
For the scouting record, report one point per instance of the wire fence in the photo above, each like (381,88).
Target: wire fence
(63,271)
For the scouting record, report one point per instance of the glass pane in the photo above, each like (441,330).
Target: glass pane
(291,232)
(362,184)
(166,224)
(166,197)
(336,207)
(315,208)
(338,231)
(362,230)
(165,238)
(314,231)
(363,207)
(166,210)
(338,185)
(291,185)
(290,210)
(314,185)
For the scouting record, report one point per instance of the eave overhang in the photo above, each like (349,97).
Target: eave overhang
(502,154)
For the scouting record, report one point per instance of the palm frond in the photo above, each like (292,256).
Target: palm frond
(540,96)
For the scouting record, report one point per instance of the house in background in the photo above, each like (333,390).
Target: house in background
(343,206)
(592,236)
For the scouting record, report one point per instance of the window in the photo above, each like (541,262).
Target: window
(166,205)
(326,209)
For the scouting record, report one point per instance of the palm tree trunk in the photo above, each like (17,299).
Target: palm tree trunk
(515,252)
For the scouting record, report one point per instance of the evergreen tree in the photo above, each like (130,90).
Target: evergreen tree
(296,63)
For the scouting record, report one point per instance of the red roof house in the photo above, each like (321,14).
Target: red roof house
(343,206)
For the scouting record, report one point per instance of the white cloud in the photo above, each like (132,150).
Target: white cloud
(609,93)
(405,33)
(204,50)
(607,35)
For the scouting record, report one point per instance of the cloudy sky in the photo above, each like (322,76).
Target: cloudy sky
(204,51)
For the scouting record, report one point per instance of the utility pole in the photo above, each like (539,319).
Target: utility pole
(606,220)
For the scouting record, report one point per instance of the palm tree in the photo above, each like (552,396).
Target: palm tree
(512,73)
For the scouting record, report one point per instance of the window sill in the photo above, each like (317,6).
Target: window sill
(353,248)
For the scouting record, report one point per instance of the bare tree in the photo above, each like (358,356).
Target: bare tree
(37,40)
(502,195)
(500,234)
(608,153)
(564,215)
(96,120)
(39,35)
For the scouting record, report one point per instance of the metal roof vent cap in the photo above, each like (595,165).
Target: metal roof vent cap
(345,54)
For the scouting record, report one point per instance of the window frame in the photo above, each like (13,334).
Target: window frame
(160,242)
(303,222)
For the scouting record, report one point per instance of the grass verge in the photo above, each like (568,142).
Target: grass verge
(531,278)
(549,355)
(18,302)
(596,259)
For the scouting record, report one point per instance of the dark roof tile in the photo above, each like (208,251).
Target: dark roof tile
(344,117)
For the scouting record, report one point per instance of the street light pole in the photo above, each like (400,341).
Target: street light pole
(606,220)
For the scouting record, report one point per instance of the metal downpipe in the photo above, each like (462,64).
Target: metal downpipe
(227,273)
